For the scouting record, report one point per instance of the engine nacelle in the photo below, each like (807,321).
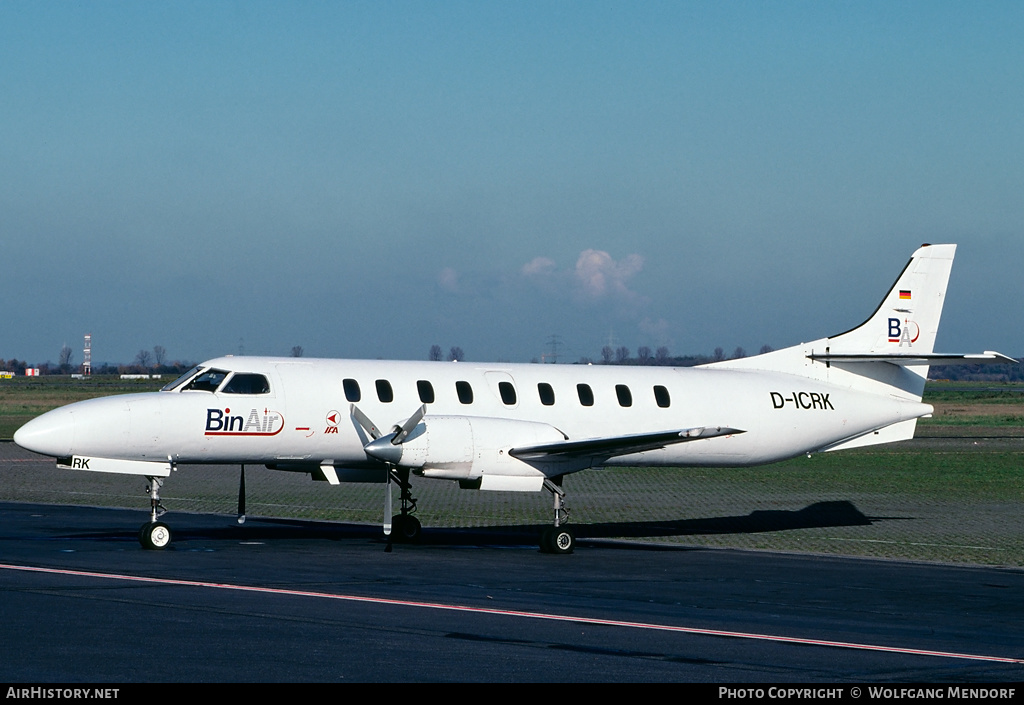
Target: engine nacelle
(469,448)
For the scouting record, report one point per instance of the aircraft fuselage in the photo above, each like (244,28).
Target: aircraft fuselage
(304,416)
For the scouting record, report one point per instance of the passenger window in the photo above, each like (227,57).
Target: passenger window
(352,392)
(242,383)
(661,396)
(384,392)
(586,394)
(465,392)
(207,382)
(547,394)
(508,393)
(426,390)
(624,395)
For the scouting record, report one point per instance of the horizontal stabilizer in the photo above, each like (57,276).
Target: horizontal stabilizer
(989,357)
(620,445)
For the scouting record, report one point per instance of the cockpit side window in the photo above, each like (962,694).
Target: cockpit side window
(246,383)
(181,380)
(206,382)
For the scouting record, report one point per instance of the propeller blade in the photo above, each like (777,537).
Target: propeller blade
(371,428)
(409,425)
(241,497)
(387,506)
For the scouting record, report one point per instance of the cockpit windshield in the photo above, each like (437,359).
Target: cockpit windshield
(200,379)
(181,380)
(208,381)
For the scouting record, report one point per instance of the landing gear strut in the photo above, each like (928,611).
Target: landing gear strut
(155,535)
(405,527)
(557,538)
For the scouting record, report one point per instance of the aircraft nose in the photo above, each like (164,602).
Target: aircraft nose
(98,427)
(51,434)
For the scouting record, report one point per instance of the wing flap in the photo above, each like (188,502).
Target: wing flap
(619,445)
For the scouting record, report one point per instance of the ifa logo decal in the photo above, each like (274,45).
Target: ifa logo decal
(332,422)
(220,422)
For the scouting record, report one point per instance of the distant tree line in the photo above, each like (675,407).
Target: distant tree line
(48,368)
(455,354)
(977,373)
(662,356)
(146,362)
(155,362)
(953,373)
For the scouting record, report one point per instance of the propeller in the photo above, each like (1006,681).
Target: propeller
(241,497)
(387,448)
(387,505)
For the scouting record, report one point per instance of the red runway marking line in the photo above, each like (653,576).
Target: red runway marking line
(513,613)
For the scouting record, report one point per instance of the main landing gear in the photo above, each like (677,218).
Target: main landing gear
(155,535)
(558,538)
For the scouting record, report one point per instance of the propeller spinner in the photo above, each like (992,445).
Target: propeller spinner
(388,448)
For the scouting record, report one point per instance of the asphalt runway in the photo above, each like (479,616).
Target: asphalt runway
(306,601)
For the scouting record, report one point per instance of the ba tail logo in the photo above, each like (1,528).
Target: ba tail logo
(332,422)
(220,422)
(905,331)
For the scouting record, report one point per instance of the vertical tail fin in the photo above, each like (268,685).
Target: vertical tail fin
(907,320)
(889,353)
(903,326)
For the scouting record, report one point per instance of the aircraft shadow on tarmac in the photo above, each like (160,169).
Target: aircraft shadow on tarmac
(817,515)
(814,516)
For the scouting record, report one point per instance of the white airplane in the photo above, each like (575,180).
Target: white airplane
(519,428)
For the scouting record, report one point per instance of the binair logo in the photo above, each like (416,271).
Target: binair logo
(220,422)
(903,332)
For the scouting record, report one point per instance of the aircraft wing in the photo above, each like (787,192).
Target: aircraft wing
(989,357)
(618,445)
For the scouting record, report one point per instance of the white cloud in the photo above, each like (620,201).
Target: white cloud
(598,275)
(448,280)
(538,266)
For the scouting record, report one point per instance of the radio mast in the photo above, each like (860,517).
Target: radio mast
(87,356)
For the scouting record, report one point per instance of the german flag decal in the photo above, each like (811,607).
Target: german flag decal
(905,294)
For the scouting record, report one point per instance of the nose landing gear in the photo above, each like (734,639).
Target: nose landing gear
(155,535)
(405,528)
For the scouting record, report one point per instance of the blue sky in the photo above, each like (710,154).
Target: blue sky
(370,179)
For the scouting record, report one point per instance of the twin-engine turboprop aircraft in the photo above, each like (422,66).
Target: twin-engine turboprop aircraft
(519,428)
